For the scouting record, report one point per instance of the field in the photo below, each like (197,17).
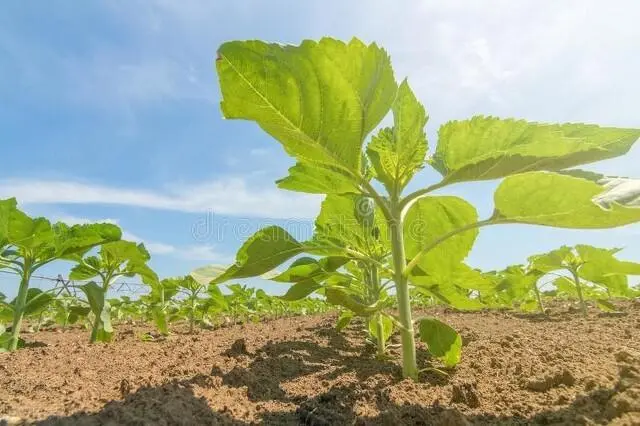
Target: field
(380,315)
(515,369)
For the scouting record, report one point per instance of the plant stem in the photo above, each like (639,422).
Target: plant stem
(21,301)
(576,280)
(409,364)
(538,297)
(94,329)
(380,330)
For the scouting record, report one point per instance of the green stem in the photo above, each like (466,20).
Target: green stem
(576,280)
(409,364)
(380,330)
(409,199)
(21,301)
(192,315)
(538,297)
(94,329)
(97,321)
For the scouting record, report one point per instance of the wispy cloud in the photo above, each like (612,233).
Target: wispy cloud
(153,247)
(233,197)
(204,252)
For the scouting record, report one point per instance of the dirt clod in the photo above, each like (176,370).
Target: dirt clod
(465,393)
(549,380)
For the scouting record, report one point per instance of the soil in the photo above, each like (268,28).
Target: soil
(516,369)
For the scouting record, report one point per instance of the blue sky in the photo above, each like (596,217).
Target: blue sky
(109,109)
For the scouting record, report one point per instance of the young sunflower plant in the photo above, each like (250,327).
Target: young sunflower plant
(27,244)
(323,101)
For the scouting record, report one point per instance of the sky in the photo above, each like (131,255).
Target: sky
(109,110)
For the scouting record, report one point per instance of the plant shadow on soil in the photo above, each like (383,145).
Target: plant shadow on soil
(175,402)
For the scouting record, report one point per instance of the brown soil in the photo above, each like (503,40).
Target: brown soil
(515,370)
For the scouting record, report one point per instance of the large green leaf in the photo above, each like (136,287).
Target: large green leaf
(489,148)
(616,285)
(319,99)
(397,153)
(559,200)
(262,252)
(442,340)
(600,262)
(430,218)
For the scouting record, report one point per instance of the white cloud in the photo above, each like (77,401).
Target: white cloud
(203,253)
(195,252)
(74,220)
(153,247)
(233,197)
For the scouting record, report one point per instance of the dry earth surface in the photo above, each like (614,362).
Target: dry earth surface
(515,369)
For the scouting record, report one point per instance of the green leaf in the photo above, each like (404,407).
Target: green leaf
(616,285)
(339,297)
(301,269)
(100,308)
(319,99)
(447,293)
(341,222)
(77,312)
(489,148)
(5,342)
(442,340)
(37,300)
(598,262)
(566,286)
(517,282)
(318,179)
(205,274)
(529,305)
(387,326)
(344,319)
(301,289)
(160,320)
(432,217)
(397,153)
(216,296)
(262,252)
(553,199)
(82,272)
(561,258)
(606,305)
